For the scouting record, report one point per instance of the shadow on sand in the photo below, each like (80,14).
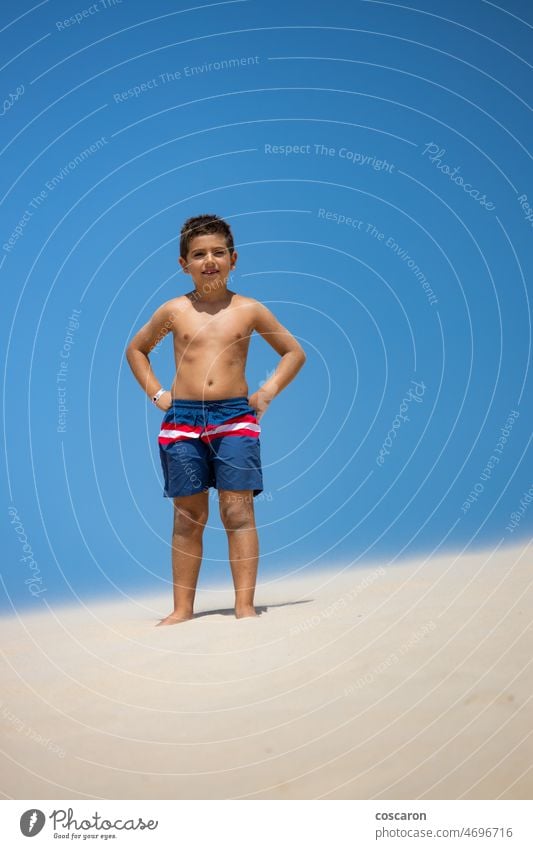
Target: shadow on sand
(261,609)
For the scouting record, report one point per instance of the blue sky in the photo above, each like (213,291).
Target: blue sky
(373,162)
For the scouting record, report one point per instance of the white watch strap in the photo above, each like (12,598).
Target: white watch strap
(157,395)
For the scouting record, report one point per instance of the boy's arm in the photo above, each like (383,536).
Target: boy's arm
(140,346)
(291,352)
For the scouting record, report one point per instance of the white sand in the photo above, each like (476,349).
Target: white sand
(410,680)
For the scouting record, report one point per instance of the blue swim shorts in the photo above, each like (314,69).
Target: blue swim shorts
(210,443)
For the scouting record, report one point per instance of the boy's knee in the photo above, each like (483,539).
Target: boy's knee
(188,522)
(236,512)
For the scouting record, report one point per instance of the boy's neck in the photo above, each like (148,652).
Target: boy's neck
(212,294)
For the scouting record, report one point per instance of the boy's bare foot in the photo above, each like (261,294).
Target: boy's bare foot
(175,617)
(245,611)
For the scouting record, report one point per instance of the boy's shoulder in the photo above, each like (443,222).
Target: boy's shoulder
(253,309)
(245,301)
(170,308)
(253,303)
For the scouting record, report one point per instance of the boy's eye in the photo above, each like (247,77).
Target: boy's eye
(219,252)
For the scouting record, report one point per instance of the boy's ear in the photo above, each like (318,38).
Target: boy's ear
(183,264)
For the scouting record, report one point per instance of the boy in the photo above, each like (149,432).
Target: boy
(210,432)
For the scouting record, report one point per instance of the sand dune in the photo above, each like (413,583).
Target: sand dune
(402,681)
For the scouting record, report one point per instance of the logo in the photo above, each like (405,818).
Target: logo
(31,822)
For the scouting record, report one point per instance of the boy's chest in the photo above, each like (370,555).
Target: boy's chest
(225,328)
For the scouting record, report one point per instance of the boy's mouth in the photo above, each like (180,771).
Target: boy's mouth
(209,272)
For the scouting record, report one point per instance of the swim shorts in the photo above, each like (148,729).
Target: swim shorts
(210,443)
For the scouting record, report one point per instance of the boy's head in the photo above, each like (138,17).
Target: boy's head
(207,250)
(204,225)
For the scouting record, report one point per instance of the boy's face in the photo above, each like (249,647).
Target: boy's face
(208,261)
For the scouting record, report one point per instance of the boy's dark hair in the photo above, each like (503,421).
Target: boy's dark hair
(204,225)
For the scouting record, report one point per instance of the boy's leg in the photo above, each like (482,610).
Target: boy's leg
(190,517)
(238,518)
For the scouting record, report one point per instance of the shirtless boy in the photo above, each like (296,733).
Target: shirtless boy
(210,431)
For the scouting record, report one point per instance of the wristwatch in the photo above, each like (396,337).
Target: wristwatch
(157,395)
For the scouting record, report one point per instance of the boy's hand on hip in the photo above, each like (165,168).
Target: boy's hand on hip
(165,401)
(260,401)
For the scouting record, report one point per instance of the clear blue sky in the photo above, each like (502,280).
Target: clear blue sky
(373,163)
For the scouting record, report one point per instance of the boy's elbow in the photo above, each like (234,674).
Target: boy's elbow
(131,351)
(299,358)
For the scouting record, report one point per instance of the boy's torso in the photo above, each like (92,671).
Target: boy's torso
(211,344)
